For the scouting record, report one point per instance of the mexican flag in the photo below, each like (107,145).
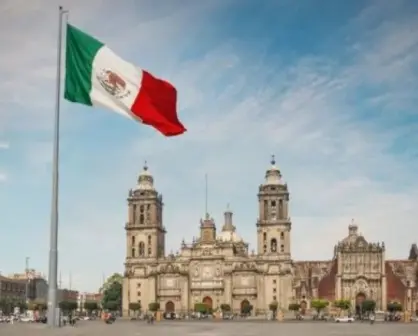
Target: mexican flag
(96,76)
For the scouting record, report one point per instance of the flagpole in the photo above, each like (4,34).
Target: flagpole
(53,243)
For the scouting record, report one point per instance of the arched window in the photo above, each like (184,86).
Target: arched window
(133,252)
(141,219)
(280,208)
(141,249)
(281,235)
(265,209)
(134,213)
(273,245)
(264,236)
(133,240)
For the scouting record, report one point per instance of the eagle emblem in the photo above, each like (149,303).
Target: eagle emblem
(113,83)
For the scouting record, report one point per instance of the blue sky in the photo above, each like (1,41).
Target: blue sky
(329,87)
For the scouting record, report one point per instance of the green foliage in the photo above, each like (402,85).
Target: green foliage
(154,306)
(394,306)
(116,277)
(201,308)
(319,305)
(68,306)
(294,307)
(368,306)
(273,306)
(8,304)
(225,307)
(135,306)
(90,306)
(342,304)
(112,296)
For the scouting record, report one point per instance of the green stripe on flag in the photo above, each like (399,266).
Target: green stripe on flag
(80,52)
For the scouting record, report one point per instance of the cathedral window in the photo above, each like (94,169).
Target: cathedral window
(274,298)
(281,235)
(264,236)
(149,251)
(265,248)
(273,245)
(138,293)
(133,240)
(265,209)
(133,252)
(281,248)
(141,219)
(280,208)
(274,290)
(134,213)
(141,208)
(273,204)
(141,249)
(149,240)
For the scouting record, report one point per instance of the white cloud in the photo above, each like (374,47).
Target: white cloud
(339,165)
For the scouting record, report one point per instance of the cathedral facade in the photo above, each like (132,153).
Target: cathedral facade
(217,268)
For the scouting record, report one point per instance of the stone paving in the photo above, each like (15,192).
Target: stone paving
(214,328)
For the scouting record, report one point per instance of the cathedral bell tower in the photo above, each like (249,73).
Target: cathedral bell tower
(273,225)
(145,234)
(207,230)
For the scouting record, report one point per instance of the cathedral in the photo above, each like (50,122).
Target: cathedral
(217,267)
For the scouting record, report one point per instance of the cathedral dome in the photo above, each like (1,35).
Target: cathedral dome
(145,179)
(273,175)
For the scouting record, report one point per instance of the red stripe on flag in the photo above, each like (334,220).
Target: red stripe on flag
(156,105)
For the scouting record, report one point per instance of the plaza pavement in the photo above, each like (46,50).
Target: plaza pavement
(213,328)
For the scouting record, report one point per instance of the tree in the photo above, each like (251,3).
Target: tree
(116,277)
(368,306)
(342,304)
(394,306)
(68,306)
(154,306)
(201,308)
(273,306)
(319,305)
(135,307)
(90,306)
(225,307)
(112,297)
(294,307)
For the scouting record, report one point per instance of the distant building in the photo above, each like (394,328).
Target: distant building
(36,287)
(67,295)
(12,288)
(88,297)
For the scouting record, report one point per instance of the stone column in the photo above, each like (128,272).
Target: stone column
(338,289)
(125,296)
(384,293)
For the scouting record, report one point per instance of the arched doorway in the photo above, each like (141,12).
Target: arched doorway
(169,306)
(207,300)
(360,297)
(245,307)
